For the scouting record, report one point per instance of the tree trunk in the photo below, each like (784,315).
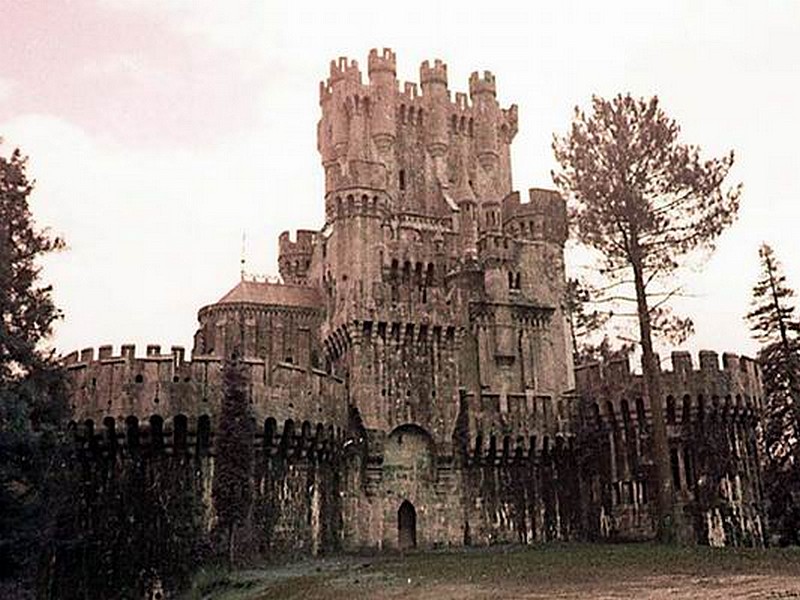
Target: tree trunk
(651,371)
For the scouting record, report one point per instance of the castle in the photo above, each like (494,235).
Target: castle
(411,376)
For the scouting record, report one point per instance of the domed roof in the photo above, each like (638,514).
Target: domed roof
(272,294)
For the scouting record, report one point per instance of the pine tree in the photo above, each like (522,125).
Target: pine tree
(587,322)
(772,322)
(644,201)
(233,462)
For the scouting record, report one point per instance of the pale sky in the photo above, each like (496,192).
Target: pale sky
(159,130)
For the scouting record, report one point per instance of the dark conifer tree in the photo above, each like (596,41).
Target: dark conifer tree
(32,392)
(773,323)
(232,487)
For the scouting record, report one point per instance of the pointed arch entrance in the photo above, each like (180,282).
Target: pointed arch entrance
(406,526)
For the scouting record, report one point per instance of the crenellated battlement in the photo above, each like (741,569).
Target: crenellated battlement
(735,384)
(352,177)
(294,257)
(386,61)
(433,74)
(127,352)
(344,69)
(304,241)
(397,127)
(542,218)
(125,385)
(482,85)
(410,90)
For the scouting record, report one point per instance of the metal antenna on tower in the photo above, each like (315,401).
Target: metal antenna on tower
(242,259)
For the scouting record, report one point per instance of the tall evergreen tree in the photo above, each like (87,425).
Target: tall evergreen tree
(587,322)
(773,323)
(644,201)
(32,393)
(233,461)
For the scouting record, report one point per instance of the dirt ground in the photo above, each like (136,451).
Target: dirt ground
(657,588)
(551,572)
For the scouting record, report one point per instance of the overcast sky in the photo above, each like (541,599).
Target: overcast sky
(159,130)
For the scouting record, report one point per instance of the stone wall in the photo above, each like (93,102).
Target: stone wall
(142,508)
(713,418)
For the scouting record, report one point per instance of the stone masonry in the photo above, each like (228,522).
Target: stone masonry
(413,366)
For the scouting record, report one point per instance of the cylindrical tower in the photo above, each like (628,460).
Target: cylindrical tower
(436,100)
(382,71)
(482,91)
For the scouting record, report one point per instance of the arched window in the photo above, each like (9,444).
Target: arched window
(402,179)
(675,467)
(640,413)
(180,427)
(626,413)
(111,433)
(157,432)
(287,441)
(670,410)
(612,419)
(203,433)
(132,431)
(270,425)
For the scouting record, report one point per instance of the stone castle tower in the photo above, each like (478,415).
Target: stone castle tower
(411,375)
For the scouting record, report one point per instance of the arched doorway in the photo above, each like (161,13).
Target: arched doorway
(406,526)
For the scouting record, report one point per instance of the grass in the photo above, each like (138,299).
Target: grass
(496,572)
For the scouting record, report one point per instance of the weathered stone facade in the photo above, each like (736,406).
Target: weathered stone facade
(411,376)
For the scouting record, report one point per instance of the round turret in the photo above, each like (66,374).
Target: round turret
(482,91)
(437,101)
(383,91)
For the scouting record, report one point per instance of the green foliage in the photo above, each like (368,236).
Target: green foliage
(773,323)
(27,312)
(232,487)
(32,392)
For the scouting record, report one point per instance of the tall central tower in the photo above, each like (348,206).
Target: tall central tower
(442,290)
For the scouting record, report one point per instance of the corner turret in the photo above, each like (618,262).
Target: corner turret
(294,258)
